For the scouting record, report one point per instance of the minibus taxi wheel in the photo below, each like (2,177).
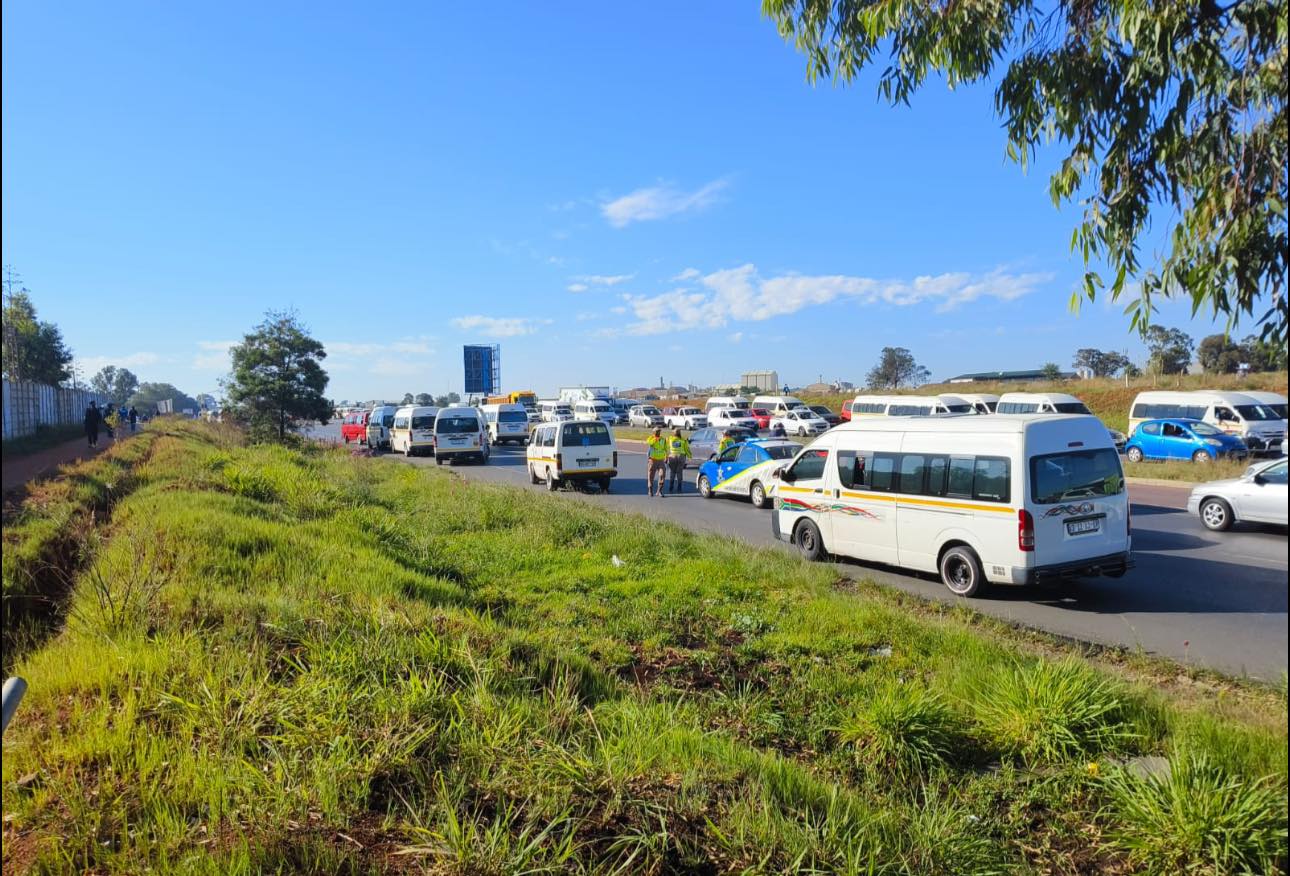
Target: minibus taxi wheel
(438,460)
(1134,454)
(808,540)
(552,482)
(604,485)
(757,494)
(961,571)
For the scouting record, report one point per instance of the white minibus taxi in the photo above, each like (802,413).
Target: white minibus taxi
(778,405)
(459,434)
(907,406)
(593,410)
(1009,500)
(378,426)
(981,402)
(726,401)
(554,411)
(506,423)
(413,429)
(1040,403)
(575,452)
(1235,413)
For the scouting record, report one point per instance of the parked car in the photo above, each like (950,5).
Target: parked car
(685,418)
(825,414)
(1119,439)
(801,422)
(846,410)
(728,418)
(762,416)
(704,443)
(1259,495)
(1182,439)
(746,469)
(645,416)
(353,427)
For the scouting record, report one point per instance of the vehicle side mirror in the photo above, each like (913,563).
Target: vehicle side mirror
(1259,479)
(776,474)
(788,476)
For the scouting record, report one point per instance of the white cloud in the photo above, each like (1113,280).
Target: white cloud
(735,337)
(499,327)
(659,202)
(742,295)
(578,287)
(687,274)
(91,365)
(584,282)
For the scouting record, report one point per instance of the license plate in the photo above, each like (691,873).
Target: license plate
(586,463)
(1083,527)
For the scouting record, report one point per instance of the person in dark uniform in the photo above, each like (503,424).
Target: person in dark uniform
(93,419)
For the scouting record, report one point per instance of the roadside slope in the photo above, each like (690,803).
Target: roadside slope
(302,661)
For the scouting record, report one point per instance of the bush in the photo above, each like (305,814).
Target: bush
(903,727)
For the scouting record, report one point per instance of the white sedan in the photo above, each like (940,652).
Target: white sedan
(802,422)
(1258,496)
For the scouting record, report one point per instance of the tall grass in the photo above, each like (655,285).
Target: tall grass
(284,660)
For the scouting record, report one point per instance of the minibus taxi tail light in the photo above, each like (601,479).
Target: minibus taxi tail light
(1025,530)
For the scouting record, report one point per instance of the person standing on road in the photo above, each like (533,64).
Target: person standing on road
(134,418)
(678,451)
(777,431)
(727,439)
(656,447)
(93,419)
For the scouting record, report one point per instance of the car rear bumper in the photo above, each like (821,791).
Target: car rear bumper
(1109,564)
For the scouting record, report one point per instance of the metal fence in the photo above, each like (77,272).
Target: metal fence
(28,406)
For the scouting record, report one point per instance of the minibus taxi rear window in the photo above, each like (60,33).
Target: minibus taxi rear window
(586,434)
(387,421)
(423,422)
(512,417)
(1078,474)
(445,425)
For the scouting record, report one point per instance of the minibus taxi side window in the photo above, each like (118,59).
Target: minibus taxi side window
(961,475)
(937,467)
(1224,415)
(912,473)
(991,482)
(548,437)
(882,472)
(809,466)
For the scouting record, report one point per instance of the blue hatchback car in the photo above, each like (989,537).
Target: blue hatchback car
(1182,439)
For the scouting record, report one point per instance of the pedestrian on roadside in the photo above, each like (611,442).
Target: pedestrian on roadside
(93,419)
(777,430)
(727,439)
(134,418)
(656,451)
(678,451)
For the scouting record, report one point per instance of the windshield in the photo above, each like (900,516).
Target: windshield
(959,409)
(1255,412)
(783,451)
(585,434)
(423,422)
(387,421)
(1079,474)
(1071,408)
(1279,410)
(1203,429)
(445,425)
(512,417)
(820,409)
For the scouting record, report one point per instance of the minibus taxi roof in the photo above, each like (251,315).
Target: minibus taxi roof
(957,423)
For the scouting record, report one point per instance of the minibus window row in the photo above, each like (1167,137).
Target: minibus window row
(909,411)
(983,478)
(869,408)
(1144,411)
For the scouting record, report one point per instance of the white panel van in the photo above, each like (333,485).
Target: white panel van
(576,453)
(726,401)
(1235,413)
(413,429)
(778,405)
(1009,500)
(506,423)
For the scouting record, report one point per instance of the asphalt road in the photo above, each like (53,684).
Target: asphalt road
(1216,600)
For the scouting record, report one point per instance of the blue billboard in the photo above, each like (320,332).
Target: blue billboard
(483,368)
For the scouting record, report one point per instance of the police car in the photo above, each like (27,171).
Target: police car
(745,469)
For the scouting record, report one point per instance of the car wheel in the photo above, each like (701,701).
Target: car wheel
(961,571)
(801,432)
(1134,454)
(552,483)
(757,495)
(705,487)
(533,478)
(808,540)
(1216,515)
(1201,456)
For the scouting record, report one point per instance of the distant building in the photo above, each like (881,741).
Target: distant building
(766,381)
(1008,376)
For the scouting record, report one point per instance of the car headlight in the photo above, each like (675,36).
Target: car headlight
(1213,442)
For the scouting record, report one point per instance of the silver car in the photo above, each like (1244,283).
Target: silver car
(1258,496)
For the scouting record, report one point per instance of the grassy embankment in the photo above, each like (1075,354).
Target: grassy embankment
(296,661)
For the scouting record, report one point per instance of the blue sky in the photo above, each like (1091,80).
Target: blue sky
(612,193)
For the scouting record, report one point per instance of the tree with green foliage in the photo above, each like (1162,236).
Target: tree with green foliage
(1264,355)
(424,398)
(277,380)
(442,401)
(1170,350)
(118,384)
(33,349)
(1101,363)
(407,398)
(1171,111)
(1052,371)
(145,398)
(896,368)
(1218,354)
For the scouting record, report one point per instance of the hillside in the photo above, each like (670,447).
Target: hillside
(287,661)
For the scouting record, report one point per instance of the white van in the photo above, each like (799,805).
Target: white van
(459,434)
(1235,413)
(982,402)
(413,429)
(1010,500)
(726,401)
(576,453)
(591,410)
(1040,403)
(553,411)
(778,405)
(506,423)
(906,406)
(378,426)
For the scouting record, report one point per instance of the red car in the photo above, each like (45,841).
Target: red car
(762,416)
(354,426)
(846,410)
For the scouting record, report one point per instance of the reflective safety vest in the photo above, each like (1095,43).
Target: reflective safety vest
(657,447)
(725,443)
(678,446)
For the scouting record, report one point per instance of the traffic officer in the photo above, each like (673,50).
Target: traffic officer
(678,451)
(656,450)
(727,439)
